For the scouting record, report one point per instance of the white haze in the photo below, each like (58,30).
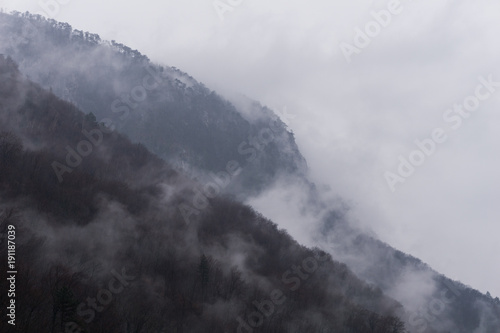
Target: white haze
(351,121)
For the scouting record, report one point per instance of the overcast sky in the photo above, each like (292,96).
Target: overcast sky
(354,115)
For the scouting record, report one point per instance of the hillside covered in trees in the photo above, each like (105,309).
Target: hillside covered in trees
(106,250)
(173,115)
(114,167)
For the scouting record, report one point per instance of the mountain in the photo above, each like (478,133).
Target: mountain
(173,115)
(218,151)
(106,250)
(432,301)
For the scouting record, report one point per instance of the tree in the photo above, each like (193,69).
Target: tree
(91,119)
(204,272)
(10,147)
(65,305)
(390,324)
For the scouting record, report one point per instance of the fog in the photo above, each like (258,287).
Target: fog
(352,120)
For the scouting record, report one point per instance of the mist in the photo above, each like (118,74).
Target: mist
(352,118)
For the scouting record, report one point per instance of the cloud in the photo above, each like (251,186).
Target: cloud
(352,120)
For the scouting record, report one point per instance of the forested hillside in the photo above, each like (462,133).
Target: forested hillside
(109,162)
(173,115)
(107,250)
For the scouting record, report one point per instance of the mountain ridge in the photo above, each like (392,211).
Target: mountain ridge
(349,245)
(137,96)
(105,226)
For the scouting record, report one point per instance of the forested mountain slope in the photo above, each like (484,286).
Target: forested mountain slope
(168,111)
(62,181)
(107,250)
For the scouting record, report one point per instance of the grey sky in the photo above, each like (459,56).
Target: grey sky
(352,120)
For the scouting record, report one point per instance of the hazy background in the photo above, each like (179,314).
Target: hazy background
(351,120)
